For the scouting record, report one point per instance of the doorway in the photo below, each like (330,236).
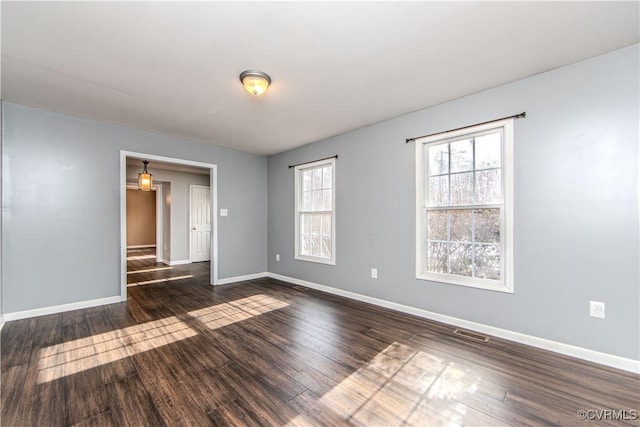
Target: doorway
(210,235)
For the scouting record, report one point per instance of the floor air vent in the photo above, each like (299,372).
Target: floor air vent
(471,335)
(300,288)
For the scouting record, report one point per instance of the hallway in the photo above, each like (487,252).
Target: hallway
(142,269)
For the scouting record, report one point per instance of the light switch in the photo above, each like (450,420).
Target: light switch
(224,212)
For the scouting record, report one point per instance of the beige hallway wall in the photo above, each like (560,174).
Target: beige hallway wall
(141,218)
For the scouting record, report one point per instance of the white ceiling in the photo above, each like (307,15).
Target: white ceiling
(173,67)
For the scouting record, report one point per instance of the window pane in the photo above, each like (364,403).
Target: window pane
(462,189)
(439,190)
(307,201)
(487,261)
(305,245)
(317,178)
(461,156)
(325,250)
(306,180)
(326,177)
(461,221)
(316,224)
(326,199)
(460,259)
(308,244)
(315,245)
(326,224)
(305,224)
(489,186)
(488,153)
(438,159)
(437,225)
(487,225)
(437,258)
(317,200)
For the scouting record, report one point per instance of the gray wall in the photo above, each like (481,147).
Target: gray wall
(179,206)
(576,207)
(1,204)
(61,178)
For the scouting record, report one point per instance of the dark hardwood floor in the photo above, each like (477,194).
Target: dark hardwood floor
(263,352)
(142,269)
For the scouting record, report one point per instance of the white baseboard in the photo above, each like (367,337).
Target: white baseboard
(140,246)
(606,359)
(16,315)
(613,361)
(234,279)
(179,262)
(164,261)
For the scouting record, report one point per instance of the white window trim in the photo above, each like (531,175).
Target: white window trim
(297,201)
(506,284)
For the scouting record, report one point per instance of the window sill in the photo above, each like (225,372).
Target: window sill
(488,285)
(316,260)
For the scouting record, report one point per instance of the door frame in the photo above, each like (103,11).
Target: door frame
(213,188)
(159,189)
(191,186)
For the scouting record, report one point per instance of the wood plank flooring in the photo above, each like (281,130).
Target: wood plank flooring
(265,353)
(142,269)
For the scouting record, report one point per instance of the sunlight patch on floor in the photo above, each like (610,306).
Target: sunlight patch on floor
(401,386)
(71,357)
(149,270)
(167,279)
(79,355)
(138,257)
(220,315)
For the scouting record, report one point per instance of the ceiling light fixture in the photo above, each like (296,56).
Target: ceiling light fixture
(145,182)
(254,81)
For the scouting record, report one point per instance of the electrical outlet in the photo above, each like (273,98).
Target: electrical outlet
(224,212)
(374,273)
(277,257)
(596,309)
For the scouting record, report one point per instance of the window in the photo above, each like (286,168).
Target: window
(464,200)
(315,212)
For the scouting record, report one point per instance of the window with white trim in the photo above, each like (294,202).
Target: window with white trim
(464,200)
(315,212)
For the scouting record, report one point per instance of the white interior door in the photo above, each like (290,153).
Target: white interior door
(200,234)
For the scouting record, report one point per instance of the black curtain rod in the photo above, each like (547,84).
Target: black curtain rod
(319,160)
(515,116)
